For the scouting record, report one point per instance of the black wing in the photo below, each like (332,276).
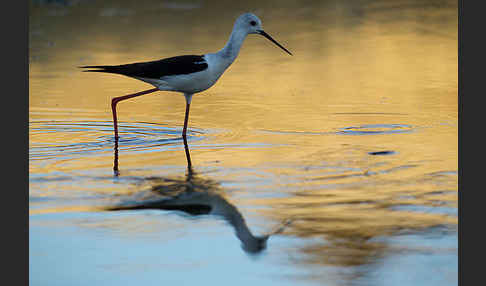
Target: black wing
(157,69)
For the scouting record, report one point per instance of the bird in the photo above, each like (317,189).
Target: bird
(187,74)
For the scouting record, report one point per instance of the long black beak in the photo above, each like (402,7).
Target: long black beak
(261,32)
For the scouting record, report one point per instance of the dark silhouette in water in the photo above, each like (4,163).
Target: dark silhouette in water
(195,196)
(115,160)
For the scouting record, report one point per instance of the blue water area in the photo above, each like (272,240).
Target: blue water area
(83,249)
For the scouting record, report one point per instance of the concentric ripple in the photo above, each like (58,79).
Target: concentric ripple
(50,139)
(368,129)
(374,129)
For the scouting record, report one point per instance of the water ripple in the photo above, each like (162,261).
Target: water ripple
(369,129)
(66,138)
(373,129)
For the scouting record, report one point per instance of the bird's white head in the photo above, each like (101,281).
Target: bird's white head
(249,23)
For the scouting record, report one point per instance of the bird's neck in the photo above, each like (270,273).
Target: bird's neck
(234,217)
(232,47)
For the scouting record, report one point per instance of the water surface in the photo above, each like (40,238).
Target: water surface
(336,166)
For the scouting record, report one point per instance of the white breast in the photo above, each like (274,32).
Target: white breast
(194,82)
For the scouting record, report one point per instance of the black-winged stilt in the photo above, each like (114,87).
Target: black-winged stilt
(188,74)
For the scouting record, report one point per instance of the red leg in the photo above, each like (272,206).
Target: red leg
(186,118)
(115,100)
(188,155)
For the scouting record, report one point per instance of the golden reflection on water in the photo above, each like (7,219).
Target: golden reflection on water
(273,123)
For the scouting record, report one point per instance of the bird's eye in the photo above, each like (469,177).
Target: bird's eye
(253,23)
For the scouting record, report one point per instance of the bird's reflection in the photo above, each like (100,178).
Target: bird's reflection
(194,195)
